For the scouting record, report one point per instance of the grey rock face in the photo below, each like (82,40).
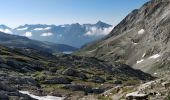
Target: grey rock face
(137,39)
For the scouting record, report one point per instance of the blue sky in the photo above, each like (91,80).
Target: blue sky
(17,12)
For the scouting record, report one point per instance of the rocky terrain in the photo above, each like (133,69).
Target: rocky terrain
(153,90)
(68,76)
(140,40)
(107,69)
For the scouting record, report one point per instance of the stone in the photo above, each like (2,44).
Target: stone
(136,96)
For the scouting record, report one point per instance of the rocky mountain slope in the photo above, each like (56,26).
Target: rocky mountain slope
(140,40)
(42,73)
(71,34)
(15,41)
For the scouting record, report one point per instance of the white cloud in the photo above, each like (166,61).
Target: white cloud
(46,34)
(94,31)
(22,29)
(28,34)
(40,29)
(6,31)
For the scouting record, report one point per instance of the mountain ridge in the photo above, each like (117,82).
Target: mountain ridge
(71,34)
(140,36)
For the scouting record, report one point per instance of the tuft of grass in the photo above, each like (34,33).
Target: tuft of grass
(100,97)
(131,82)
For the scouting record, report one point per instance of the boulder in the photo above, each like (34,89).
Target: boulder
(117,82)
(97,79)
(60,80)
(109,78)
(97,90)
(75,73)
(70,72)
(166,84)
(136,96)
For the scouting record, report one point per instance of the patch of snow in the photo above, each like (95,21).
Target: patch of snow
(41,29)
(22,29)
(135,43)
(154,56)
(6,31)
(28,34)
(143,55)
(38,29)
(46,34)
(155,73)
(92,50)
(136,94)
(141,31)
(47,28)
(62,25)
(139,61)
(41,97)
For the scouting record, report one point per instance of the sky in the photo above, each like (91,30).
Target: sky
(18,12)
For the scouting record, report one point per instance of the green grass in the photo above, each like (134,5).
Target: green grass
(39,76)
(100,97)
(131,82)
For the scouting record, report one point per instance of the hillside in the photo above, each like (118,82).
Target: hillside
(67,76)
(140,40)
(14,41)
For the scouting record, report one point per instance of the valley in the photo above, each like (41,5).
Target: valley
(86,62)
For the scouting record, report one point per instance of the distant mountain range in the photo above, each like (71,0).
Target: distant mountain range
(14,41)
(71,34)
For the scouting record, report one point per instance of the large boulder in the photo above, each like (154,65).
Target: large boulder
(136,96)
